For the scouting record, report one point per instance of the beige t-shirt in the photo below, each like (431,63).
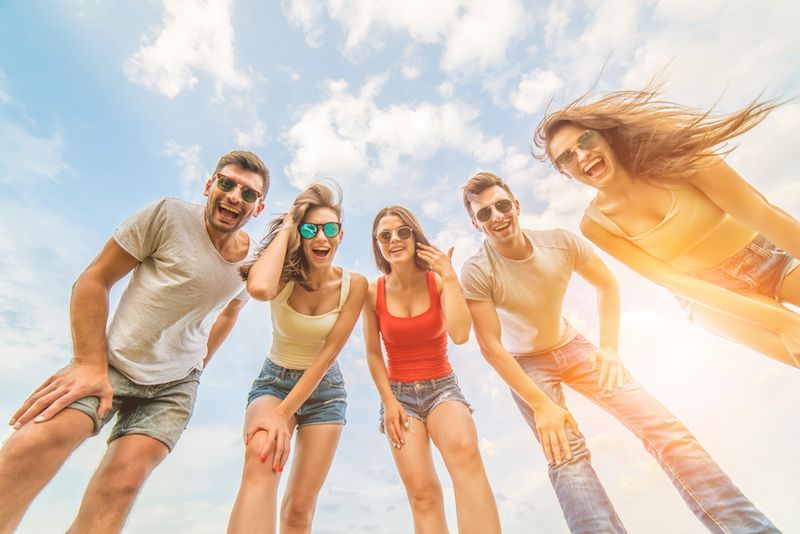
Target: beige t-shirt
(528,294)
(160,328)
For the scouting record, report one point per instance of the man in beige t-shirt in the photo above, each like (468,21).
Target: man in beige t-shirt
(184,296)
(515,286)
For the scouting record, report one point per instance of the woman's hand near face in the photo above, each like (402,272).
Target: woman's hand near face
(441,263)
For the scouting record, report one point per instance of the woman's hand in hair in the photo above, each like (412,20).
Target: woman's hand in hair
(395,423)
(441,263)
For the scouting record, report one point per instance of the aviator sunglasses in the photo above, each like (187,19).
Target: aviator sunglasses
(588,140)
(310,230)
(226,185)
(502,206)
(404,232)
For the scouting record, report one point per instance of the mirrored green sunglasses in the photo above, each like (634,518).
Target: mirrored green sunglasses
(310,230)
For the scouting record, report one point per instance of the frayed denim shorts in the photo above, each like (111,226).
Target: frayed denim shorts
(420,397)
(327,404)
(760,268)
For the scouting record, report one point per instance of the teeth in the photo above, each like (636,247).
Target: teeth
(591,164)
(229,208)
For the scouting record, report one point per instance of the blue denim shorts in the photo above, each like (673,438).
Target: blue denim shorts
(327,404)
(160,411)
(759,268)
(420,397)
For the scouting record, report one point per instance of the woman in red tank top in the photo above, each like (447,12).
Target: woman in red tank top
(413,307)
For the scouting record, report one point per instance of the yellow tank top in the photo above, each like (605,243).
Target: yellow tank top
(297,338)
(694,234)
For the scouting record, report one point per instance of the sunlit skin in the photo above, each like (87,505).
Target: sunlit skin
(638,206)
(449,425)
(270,421)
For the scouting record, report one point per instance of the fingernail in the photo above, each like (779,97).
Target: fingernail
(17,426)
(402,441)
(39,419)
(406,424)
(275,468)
(281,469)
(263,459)
(394,444)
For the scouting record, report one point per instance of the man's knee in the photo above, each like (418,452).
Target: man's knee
(59,435)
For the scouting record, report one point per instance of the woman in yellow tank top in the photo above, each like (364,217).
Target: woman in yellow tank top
(314,306)
(669,207)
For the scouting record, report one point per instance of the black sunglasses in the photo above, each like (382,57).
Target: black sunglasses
(404,232)
(310,230)
(502,206)
(226,185)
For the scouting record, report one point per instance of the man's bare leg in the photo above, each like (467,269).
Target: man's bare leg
(116,483)
(32,456)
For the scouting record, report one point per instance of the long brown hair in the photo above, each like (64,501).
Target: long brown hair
(295,263)
(408,218)
(655,140)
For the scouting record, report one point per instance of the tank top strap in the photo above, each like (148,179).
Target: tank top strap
(433,291)
(283,296)
(380,296)
(594,214)
(345,289)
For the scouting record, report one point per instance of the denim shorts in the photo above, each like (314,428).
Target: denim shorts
(327,404)
(160,411)
(760,267)
(420,397)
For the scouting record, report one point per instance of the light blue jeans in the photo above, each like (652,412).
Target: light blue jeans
(707,490)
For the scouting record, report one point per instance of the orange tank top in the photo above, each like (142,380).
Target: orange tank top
(416,347)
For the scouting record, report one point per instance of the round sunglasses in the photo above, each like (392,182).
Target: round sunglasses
(404,232)
(310,230)
(502,206)
(587,141)
(226,185)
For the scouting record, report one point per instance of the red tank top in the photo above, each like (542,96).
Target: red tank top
(416,347)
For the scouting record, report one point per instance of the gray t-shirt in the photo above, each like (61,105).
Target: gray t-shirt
(528,294)
(160,329)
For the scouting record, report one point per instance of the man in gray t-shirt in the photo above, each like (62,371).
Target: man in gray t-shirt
(515,286)
(183,298)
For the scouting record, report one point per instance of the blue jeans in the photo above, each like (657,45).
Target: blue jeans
(707,490)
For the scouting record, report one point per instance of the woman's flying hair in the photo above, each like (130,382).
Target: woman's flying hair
(295,263)
(655,140)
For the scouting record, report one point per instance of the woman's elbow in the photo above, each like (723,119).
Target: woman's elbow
(460,337)
(260,291)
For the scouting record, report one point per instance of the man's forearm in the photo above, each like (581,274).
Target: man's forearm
(88,317)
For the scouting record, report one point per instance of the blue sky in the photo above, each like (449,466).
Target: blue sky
(106,106)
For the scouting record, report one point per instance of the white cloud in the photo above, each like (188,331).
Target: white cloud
(350,138)
(446,89)
(535,89)
(28,158)
(411,72)
(196,36)
(256,136)
(474,34)
(192,172)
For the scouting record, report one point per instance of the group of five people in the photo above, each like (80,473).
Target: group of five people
(666,205)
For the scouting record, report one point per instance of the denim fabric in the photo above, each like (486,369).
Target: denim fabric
(160,411)
(327,404)
(420,397)
(707,490)
(760,267)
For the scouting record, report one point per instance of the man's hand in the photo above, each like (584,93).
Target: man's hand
(278,439)
(74,382)
(551,423)
(612,372)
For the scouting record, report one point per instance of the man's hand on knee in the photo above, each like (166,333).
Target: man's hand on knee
(72,383)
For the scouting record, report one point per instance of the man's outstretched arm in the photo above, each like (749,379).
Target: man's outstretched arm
(551,419)
(87,373)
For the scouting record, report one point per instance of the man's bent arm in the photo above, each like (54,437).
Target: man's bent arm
(87,373)
(551,419)
(222,327)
